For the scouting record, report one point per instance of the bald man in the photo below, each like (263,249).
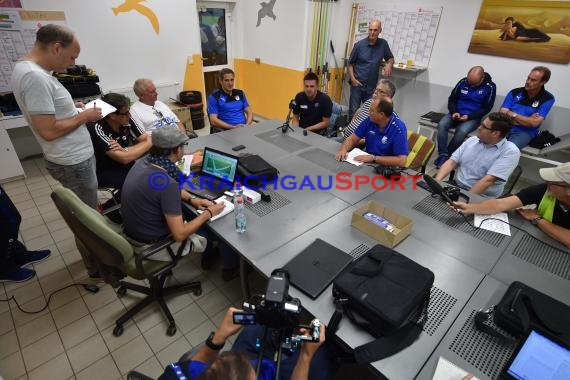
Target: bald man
(471,99)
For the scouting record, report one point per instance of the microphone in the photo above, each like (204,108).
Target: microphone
(437,189)
(286,125)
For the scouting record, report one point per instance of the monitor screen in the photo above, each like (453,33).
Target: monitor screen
(540,358)
(219,165)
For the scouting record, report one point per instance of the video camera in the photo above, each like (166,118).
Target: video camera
(277,310)
(388,171)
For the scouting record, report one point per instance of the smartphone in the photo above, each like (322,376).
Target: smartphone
(239,147)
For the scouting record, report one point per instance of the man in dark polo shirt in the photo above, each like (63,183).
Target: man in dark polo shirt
(312,109)
(118,141)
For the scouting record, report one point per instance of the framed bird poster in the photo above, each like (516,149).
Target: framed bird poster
(533,30)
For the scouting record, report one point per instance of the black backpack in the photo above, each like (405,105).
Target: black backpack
(387,294)
(543,140)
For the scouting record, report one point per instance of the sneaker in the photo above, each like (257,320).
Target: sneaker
(440,160)
(20,275)
(30,257)
(230,274)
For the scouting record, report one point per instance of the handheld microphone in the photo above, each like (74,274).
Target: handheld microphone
(437,189)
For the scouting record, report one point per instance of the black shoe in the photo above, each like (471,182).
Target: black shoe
(20,275)
(30,257)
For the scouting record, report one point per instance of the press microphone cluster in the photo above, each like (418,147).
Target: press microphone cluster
(437,189)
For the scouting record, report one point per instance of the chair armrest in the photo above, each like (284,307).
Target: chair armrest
(157,247)
(111,209)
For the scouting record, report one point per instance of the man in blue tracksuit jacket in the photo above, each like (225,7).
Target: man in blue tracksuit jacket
(471,99)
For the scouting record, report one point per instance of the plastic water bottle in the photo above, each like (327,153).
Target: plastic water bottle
(239,209)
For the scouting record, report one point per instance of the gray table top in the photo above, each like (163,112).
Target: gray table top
(470,349)
(454,284)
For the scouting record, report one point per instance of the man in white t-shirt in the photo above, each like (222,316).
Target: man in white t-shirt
(149,111)
(53,117)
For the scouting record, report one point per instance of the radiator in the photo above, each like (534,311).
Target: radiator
(165,91)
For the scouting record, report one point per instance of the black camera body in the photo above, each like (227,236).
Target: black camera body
(388,171)
(454,193)
(276,309)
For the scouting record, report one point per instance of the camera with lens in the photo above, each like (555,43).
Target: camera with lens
(454,193)
(276,309)
(388,171)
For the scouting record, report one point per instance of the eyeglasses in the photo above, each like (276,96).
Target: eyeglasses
(157,113)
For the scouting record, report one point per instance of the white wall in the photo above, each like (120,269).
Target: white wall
(123,48)
(279,42)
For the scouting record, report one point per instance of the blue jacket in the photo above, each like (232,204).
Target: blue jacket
(475,102)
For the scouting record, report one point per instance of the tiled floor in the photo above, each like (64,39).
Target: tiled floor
(72,338)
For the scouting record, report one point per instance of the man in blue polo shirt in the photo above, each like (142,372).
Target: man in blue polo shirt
(228,107)
(364,65)
(528,106)
(485,161)
(385,134)
(471,99)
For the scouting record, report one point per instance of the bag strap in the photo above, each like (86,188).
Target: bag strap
(383,346)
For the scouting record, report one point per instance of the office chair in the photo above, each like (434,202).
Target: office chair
(420,149)
(512,181)
(117,258)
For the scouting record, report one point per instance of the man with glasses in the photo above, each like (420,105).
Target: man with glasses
(384,88)
(471,99)
(150,112)
(552,215)
(364,65)
(485,161)
(118,141)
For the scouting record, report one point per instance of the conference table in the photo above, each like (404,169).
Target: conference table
(472,267)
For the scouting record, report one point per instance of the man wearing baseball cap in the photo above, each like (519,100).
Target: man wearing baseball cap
(150,202)
(552,198)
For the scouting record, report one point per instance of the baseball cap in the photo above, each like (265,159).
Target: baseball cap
(168,137)
(560,173)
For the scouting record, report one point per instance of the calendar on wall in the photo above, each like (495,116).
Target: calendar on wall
(410,31)
(17,36)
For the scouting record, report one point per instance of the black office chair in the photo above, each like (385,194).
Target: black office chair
(117,258)
(512,181)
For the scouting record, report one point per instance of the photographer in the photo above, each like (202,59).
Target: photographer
(311,361)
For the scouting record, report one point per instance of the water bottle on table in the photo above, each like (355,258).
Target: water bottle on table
(239,209)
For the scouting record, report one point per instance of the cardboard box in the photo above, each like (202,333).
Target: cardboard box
(182,112)
(403,225)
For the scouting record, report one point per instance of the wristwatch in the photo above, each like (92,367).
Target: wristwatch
(536,220)
(373,159)
(212,345)
(513,115)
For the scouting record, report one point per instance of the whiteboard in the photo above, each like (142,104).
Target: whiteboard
(409,31)
(17,37)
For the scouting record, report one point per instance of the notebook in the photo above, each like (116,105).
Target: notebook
(432,116)
(217,175)
(539,356)
(313,270)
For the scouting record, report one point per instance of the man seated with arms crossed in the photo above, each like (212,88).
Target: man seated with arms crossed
(118,141)
(385,88)
(228,107)
(312,361)
(485,161)
(552,215)
(528,106)
(151,213)
(150,112)
(312,109)
(385,134)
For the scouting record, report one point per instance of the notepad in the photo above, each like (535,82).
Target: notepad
(352,154)
(106,108)
(229,208)
(448,371)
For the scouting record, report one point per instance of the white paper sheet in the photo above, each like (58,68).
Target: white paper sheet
(494,225)
(229,208)
(187,163)
(448,371)
(106,108)
(353,153)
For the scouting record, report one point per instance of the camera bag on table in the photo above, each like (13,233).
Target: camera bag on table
(521,308)
(253,170)
(387,294)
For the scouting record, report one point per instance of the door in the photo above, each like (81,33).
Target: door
(215,35)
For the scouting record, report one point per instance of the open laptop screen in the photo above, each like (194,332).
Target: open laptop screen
(539,358)
(219,165)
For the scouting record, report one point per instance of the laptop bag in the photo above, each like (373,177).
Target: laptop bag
(387,294)
(522,307)
(254,171)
